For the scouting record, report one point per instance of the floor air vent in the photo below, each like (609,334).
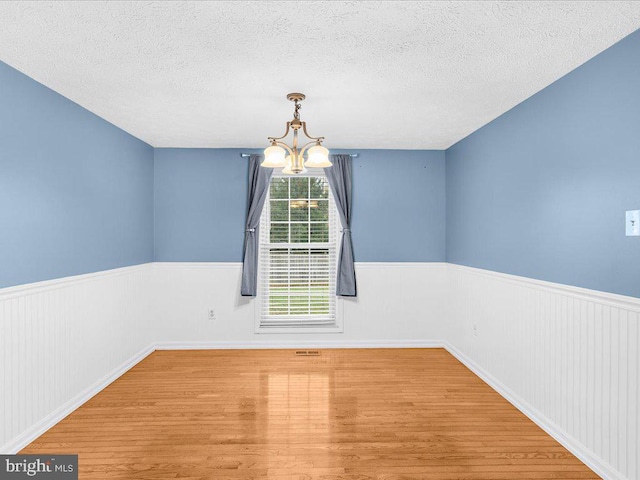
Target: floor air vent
(308,353)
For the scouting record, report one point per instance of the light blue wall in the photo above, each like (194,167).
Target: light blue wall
(399,206)
(76,193)
(542,191)
(539,192)
(200,204)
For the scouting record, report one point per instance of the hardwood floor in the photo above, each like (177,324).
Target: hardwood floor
(346,414)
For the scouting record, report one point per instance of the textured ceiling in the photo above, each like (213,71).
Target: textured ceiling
(409,75)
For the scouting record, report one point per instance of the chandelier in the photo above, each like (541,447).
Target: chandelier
(293,159)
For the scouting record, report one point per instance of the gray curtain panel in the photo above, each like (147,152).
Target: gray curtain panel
(259,178)
(339,176)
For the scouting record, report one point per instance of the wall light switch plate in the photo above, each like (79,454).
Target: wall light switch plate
(633,223)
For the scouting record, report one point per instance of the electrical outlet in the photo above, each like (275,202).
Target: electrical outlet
(212,314)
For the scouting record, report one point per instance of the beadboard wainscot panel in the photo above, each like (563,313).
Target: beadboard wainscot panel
(398,304)
(566,356)
(62,341)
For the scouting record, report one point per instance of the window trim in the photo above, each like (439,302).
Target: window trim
(339,305)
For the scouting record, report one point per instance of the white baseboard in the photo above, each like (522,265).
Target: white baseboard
(517,313)
(575,447)
(63,411)
(60,413)
(212,345)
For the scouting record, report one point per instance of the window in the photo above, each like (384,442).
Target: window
(298,257)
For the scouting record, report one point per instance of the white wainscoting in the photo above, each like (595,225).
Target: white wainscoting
(567,357)
(62,341)
(398,304)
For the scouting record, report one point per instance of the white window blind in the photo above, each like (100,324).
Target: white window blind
(298,245)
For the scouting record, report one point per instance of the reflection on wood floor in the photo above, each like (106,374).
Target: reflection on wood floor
(346,414)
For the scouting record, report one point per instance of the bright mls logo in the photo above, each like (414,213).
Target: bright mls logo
(50,467)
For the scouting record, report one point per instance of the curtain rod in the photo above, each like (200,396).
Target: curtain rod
(352,155)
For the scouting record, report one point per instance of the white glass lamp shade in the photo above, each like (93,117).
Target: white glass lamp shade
(287,170)
(318,157)
(274,157)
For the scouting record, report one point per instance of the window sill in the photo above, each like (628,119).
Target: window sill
(268,330)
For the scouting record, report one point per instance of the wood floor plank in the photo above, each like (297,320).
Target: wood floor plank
(350,414)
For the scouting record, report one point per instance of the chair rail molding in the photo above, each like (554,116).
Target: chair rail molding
(567,357)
